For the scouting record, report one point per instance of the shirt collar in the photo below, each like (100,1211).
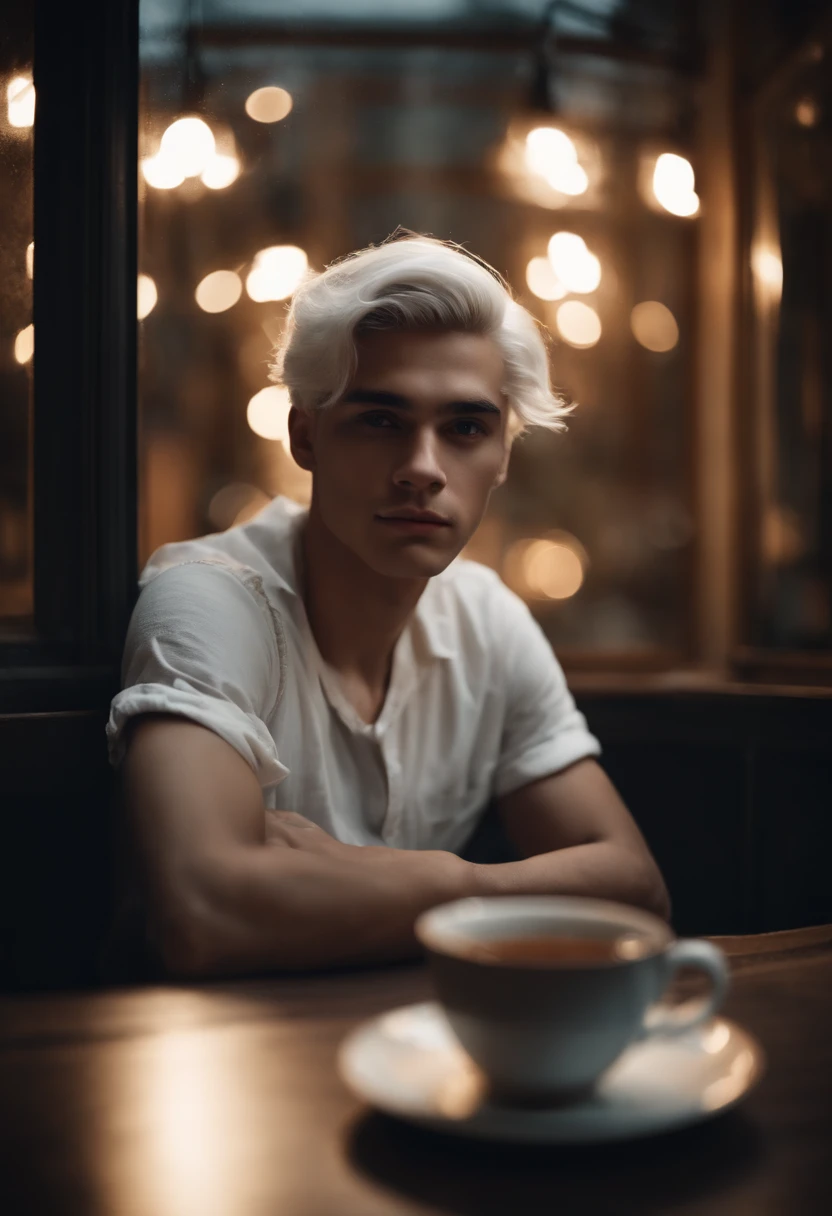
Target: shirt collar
(431,621)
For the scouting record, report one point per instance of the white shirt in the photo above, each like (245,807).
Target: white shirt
(477,704)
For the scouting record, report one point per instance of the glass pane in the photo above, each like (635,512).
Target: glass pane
(17,107)
(328,138)
(791,267)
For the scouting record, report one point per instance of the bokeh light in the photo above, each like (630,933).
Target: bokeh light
(547,148)
(162,172)
(24,344)
(573,264)
(569,179)
(807,112)
(270,104)
(549,567)
(276,272)
(268,413)
(218,291)
(654,326)
(673,184)
(220,172)
(146,296)
(234,504)
(578,323)
(189,144)
(20,99)
(542,280)
(30,259)
(767,268)
(552,155)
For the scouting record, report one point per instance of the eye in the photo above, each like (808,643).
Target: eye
(478,428)
(378,420)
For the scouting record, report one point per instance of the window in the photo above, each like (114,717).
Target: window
(789,506)
(17,112)
(269,142)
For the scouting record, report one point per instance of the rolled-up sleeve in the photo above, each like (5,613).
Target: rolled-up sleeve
(201,644)
(543,732)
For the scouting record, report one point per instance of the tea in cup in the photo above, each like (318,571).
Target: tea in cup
(545,992)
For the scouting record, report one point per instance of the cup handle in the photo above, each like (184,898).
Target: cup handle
(692,952)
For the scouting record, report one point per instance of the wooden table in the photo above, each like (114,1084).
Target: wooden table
(223,1100)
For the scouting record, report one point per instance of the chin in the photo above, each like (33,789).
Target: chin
(413,561)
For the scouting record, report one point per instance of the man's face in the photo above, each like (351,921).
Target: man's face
(420,428)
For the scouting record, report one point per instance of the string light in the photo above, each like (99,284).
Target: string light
(578,324)
(270,104)
(542,280)
(161,172)
(276,272)
(573,264)
(551,154)
(220,172)
(673,184)
(24,344)
(268,413)
(146,296)
(188,143)
(20,100)
(654,326)
(219,291)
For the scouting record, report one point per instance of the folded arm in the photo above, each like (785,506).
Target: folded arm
(577,838)
(230,888)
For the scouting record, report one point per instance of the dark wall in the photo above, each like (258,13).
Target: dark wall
(734,794)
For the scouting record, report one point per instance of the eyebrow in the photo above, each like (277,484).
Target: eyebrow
(372,396)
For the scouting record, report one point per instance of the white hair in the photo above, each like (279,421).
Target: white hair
(413,283)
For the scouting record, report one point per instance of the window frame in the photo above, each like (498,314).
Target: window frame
(83,429)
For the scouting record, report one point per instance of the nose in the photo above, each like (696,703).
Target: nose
(420,468)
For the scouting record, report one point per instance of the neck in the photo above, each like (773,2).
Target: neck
(356,615)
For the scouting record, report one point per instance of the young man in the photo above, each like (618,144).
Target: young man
(318,706)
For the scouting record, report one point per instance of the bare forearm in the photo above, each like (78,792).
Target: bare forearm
(286,908)
(602,870)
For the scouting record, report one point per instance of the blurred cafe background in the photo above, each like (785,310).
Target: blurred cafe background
(654,180)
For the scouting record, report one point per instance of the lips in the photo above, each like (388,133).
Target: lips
(415,517)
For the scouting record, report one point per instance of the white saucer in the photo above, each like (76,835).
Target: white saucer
(408,1063)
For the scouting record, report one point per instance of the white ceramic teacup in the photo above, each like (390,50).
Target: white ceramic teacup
(545,1032)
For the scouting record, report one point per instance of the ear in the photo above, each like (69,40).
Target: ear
(503,470)
(302,437)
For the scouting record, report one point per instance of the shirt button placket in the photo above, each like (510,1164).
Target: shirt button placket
(393,831)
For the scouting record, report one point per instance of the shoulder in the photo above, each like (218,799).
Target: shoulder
(210,600)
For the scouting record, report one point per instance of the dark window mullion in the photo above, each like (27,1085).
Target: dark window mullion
(85,326)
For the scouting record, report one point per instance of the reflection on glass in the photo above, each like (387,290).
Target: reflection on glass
(791,594)
(17,113)
(337,146)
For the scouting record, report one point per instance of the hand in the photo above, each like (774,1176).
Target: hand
(444,873)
